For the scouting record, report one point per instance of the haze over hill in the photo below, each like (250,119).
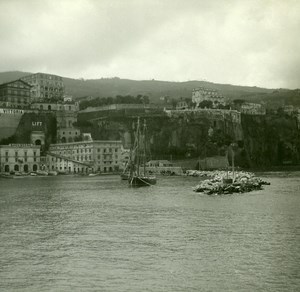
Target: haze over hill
(155,89)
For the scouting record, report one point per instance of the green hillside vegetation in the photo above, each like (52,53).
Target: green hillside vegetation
(112,87)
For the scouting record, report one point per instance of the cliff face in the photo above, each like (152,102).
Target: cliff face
(180,136)
(271,140)
(30,122)
(262,141)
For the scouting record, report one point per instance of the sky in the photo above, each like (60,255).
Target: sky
(241,42)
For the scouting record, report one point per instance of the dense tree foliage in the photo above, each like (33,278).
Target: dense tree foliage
(119,99)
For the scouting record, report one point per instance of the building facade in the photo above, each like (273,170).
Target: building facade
(55,106)
(66,115)
(249,108)
(63,164)
(203,94)
(99,156)
(19,158)
(15,94)
(45,86)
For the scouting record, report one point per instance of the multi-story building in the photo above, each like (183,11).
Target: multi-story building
(182,105)
(99,156)
(19,157)
(203,94)
(15,94)
(66,115)
(63,164)
(45,86)
(250,108)
(55,106)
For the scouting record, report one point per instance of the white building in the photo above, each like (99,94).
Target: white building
(249,108)
(19,157)
(99,156)
(203,94)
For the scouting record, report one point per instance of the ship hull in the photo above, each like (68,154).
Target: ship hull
(141,181)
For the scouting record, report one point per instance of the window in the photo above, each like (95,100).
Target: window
(16,153)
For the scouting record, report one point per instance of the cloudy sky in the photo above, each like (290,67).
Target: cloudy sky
(242,42)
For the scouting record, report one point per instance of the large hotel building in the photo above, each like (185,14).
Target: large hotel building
(84,156)
(45,86)
(15,94)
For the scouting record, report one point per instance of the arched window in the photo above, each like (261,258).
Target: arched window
(34,168)
(16,168)
(63,140)
(38,142)
(6,168)
(49,107)
(25,168)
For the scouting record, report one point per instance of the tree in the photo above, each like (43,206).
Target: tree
(206,104)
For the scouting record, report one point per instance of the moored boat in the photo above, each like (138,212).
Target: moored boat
(140,181)
(137,162)
(6,175)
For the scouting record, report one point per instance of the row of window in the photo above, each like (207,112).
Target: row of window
(87,150)
(21,160)
(86,157)
(18,92)
(17,153)
(18,167)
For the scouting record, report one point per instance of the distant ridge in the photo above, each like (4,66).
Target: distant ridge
(155,89)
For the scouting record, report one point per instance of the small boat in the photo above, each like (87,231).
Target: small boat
(6,175)
(93,174)
(137,160)
(41,172)
(140,181)
(53,173)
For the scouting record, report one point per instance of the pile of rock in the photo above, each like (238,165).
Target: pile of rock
(218,173)
(222,183)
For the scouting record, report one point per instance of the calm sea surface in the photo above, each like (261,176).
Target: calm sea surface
(96,234)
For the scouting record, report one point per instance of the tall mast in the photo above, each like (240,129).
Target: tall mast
(138,146)
(144,154)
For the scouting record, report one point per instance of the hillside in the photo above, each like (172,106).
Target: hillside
(155,89)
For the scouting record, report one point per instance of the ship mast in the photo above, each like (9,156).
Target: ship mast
(144,154)
(138,146)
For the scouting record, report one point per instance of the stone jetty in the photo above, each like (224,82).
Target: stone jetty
(223,182)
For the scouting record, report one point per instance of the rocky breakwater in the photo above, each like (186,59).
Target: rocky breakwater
(223,182)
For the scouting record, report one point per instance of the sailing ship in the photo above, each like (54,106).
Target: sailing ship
(137,160)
